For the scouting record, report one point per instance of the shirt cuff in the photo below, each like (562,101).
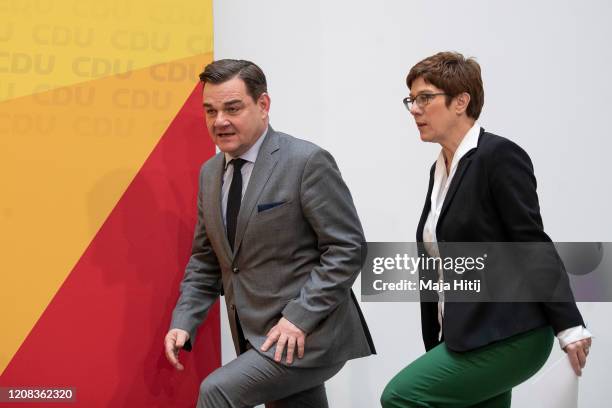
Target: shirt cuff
(572,334)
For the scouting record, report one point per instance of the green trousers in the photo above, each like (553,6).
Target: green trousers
(480,378)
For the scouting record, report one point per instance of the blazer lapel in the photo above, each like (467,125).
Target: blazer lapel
(214,200)
(264,165)
(427,205)
(462,167)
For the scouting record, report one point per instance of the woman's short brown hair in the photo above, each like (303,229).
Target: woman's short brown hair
(454,74)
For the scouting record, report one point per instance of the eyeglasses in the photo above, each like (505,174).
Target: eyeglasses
(421,100)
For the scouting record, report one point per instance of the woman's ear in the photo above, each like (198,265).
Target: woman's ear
(462,101)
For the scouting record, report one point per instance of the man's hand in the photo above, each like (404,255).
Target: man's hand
(284,334)
(174,341)
(577,353)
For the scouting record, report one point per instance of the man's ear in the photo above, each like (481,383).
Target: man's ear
(264,103)
(462,102)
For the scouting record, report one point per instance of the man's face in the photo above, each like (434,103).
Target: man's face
(234,120)
(434,120)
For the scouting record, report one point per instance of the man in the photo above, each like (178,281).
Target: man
(278,232)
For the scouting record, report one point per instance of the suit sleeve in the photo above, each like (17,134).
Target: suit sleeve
(328,207)
(201,285)
(513,186)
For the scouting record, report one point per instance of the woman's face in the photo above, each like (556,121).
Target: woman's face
(434,120)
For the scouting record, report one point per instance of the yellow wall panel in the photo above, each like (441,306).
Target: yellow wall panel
(49,44)
(66,156)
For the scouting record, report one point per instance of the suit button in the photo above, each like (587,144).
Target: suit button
(235,270)
(233,307)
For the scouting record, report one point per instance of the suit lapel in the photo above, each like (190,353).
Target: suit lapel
(264,165)
(462,167)
(427,205)
(214,201)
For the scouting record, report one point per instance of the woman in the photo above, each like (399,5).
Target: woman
(481,189)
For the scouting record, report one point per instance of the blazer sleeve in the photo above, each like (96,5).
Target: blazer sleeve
(513,187)
(201,284)
(328,207)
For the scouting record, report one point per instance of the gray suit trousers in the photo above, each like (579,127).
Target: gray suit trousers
(252,379)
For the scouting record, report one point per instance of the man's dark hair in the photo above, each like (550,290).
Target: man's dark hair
(454,74)
(223,70)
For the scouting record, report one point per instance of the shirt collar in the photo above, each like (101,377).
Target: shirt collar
(469,142)
(251,154)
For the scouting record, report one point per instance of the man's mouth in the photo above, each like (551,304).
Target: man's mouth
(224,134)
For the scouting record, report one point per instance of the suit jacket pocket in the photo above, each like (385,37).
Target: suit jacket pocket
(273,211)
(268,206)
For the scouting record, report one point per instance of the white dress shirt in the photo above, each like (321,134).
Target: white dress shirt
(442,181)
(247,168)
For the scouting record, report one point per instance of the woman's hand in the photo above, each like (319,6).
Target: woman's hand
(577,353)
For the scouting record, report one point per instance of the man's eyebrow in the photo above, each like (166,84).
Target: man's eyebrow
(228,103)
(232,102)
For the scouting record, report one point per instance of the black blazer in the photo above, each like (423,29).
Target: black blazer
(492,198)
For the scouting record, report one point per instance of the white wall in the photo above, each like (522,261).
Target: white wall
(336,73)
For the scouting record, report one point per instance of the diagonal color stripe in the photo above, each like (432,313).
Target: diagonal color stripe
(102,333)
(66,156)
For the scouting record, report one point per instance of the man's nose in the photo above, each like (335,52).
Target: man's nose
(221,120)
(415,110)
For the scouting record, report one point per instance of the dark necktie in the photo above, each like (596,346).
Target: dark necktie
(233,201)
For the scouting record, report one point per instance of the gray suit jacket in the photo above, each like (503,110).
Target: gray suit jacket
(297,252)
